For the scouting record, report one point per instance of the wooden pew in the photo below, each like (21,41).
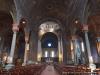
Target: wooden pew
(74,70)
(24,70)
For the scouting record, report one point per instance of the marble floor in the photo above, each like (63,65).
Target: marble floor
(49,70)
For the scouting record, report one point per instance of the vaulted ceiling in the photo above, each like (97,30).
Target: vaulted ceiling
(64,12)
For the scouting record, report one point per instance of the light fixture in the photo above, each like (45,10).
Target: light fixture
(23,22)
(76,21)
(49,44)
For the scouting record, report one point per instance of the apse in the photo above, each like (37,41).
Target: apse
(49,44)
(49,40)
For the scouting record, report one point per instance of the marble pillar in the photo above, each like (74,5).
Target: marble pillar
(60,52)
(26,53)
(59,55)
(90,58)
(26,49)
(33,46)
(39,55)
(15,29)
(61,48)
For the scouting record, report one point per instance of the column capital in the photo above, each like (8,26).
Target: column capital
(15,27)
(74,37)
(26,39)
(85,27)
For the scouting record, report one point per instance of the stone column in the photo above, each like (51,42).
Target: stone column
(26,48)
(91,65)
(75,49)
(39,55)
(65,49)
(59,55)
(61,42)
(33,46)
(83,52)
(15,29)
(72,51)
(60,50)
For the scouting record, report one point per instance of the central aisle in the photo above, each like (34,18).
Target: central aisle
(49,70)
